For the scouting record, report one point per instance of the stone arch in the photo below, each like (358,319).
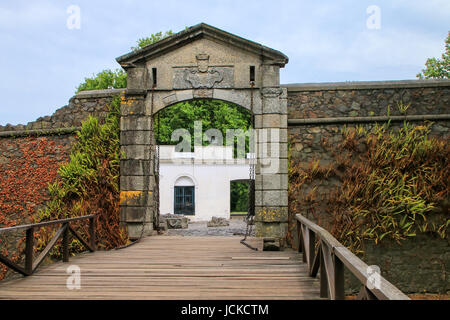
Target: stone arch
(241,98)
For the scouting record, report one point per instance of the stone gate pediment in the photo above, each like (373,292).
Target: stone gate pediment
(200,57)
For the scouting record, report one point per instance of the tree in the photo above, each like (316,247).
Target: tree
(117,79)
(238,196)
(143,42)
(438,68)
(105,79)
(213,114)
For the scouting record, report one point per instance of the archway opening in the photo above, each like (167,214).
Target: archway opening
(211,116)
(239,198)
(196,147)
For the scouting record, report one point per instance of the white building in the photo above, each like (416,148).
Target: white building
(198,183)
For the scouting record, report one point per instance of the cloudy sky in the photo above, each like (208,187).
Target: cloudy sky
(42,61)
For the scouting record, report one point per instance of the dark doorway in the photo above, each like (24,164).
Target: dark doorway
(184,199)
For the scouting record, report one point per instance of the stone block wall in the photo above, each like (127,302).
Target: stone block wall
(318,112)
(315,112)
(418,265)
(49,151)
(365,99)
(27,166)
(30,156)
(137,178)
(54,135)
(85,103)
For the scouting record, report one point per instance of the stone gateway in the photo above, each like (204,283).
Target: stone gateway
(204,62)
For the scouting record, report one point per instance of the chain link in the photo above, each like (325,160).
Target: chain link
(251,198)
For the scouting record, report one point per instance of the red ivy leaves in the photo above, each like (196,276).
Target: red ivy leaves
(25,177)
(31,164)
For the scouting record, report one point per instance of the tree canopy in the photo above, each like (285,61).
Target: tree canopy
(106,79)
(214,114)
(438,68)
(155,37)
(117,78)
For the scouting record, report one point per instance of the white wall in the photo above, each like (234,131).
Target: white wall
(211,169)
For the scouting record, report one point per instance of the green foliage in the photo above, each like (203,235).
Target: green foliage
(214,114)
(117,79)
(393,185)
(438,68)
(239,196)
(89,182)
(142,42)
(105,79)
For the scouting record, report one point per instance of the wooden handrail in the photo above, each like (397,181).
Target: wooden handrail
(46,223)
(30,264)
(331,257)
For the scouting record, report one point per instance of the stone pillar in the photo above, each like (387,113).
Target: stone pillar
(136,172)
(271,183)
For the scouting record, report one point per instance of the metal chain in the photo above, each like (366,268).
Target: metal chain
(156,171)
(251,199)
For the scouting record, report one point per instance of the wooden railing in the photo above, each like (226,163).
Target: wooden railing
(30,264)
(330,259)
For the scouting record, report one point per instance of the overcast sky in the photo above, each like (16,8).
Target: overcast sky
(42,61)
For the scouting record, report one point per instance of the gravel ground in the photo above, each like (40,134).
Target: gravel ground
(237,227)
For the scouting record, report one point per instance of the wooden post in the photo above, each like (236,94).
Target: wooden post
(29,250)
(323,276)
(339,290)
(299,234)
(65,243)
(92,232)
(302,241)
(312,249)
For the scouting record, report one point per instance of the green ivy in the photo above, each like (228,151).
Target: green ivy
(89,182)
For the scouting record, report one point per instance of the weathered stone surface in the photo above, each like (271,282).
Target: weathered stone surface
(272,182)
(272,149)
(218,222)
(136,183)
(94,103)
(175,221)
(136,214)
(135,230)
(135,137)
(137,78)
(273,105)
(212,77)
(417,265)
(135,123)
(327,101)
(135,167)
(271,121)
(271,230)
(133,107)
(163,226)
(272,244)
(271,214)
(136,152)
(271,75)
(136,198)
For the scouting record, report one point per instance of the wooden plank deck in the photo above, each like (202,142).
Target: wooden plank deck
(172,268)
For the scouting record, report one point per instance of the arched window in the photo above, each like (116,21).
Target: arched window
(184,196)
